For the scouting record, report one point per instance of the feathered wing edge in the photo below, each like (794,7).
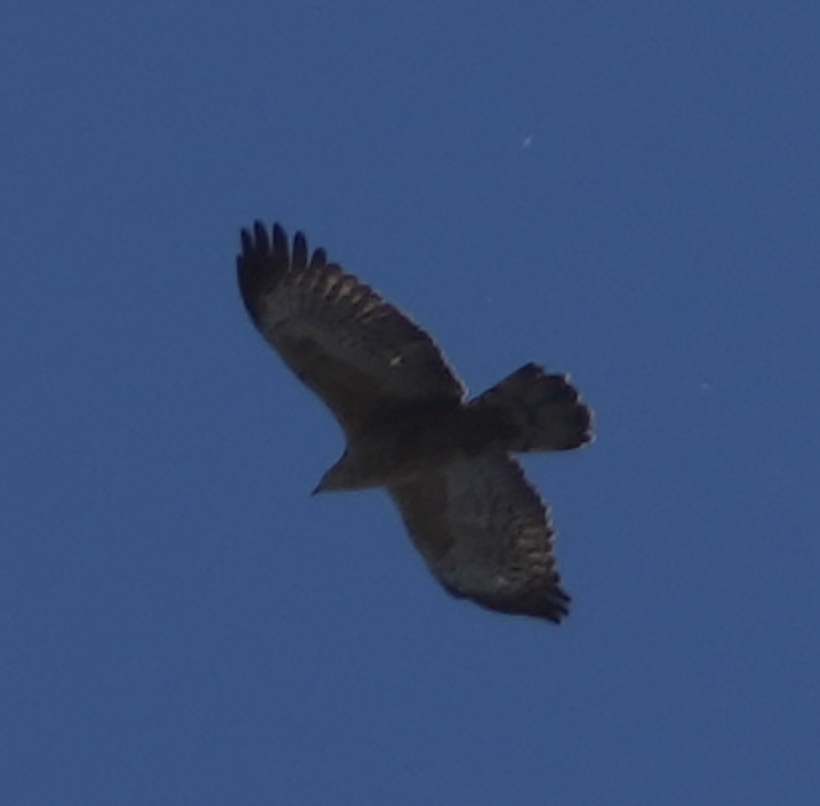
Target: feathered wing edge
(359,353)
(486,535)
(265,261)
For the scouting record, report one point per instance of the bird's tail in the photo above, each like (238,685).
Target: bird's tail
(541,412)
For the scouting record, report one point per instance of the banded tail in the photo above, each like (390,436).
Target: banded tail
(544,411)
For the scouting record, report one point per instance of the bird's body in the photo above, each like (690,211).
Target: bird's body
(444,460)
(408,442)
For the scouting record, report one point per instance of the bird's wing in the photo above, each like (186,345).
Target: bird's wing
(485,534)
(357,352)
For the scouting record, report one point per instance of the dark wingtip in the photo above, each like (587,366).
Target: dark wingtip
(265,256)
(551,604)
(558,609)
(260,263)
(319,258)
(247,242)
(259,243)
(300,252)
(281,252)
(261,235)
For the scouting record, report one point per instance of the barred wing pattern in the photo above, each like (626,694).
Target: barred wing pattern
(357,352)
(486,535)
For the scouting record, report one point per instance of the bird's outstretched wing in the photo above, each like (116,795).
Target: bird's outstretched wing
(357,352)
(485,534)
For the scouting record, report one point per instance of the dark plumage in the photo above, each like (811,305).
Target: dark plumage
(479,524)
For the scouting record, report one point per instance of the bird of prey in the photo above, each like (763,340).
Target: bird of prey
(445,460)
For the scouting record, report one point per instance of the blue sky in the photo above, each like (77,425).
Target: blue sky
(625,191)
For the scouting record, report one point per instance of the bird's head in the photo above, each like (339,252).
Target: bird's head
(340,476)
